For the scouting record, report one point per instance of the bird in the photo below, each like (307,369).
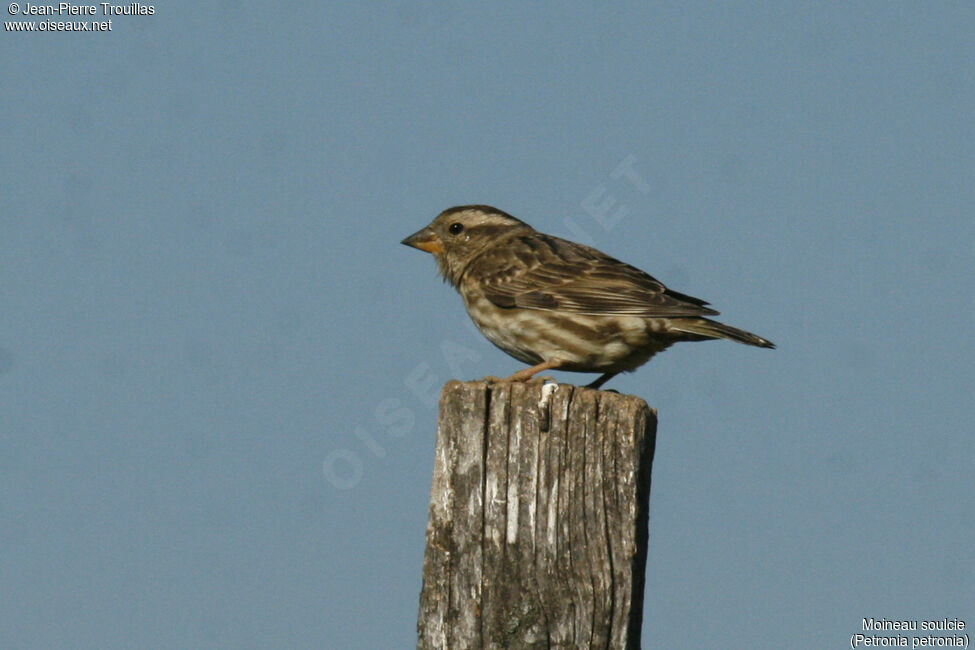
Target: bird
(558,305)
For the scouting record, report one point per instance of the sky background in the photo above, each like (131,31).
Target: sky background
(208,321)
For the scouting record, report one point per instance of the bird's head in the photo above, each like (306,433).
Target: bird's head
(459,234)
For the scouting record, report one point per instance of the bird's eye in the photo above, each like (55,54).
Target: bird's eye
(456,228)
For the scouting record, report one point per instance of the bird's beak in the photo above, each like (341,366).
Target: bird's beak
(425,240)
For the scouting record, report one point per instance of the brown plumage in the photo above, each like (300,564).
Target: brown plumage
(556,304)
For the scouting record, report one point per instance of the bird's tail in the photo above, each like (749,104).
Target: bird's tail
(709,329)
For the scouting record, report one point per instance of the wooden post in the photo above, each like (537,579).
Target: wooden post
(537,536)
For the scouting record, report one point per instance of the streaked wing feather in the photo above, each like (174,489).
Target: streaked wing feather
(537,271)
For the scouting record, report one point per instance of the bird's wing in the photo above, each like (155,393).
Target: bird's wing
(537,271)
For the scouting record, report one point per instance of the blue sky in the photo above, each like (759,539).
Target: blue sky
(217,361)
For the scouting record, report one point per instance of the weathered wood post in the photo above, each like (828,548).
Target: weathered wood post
(537,536)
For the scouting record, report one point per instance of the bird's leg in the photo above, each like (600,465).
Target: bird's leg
(602,380)
(528,373)
(537,379)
